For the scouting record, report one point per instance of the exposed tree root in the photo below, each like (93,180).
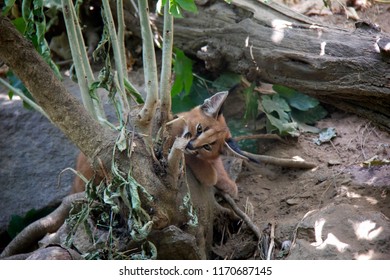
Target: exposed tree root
(35,231)
(241,214)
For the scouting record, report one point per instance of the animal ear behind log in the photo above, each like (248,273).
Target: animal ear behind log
(235,149)
(212,106)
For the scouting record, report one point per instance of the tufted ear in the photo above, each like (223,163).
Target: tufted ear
(212,106)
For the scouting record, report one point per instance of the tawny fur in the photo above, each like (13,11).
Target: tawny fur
(207,131)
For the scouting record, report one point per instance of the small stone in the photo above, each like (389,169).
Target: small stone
(292,201)
(334,162)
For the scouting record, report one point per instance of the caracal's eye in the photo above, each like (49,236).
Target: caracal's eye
(199,129)
(207,147)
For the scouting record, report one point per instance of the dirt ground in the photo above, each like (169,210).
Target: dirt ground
(284,196)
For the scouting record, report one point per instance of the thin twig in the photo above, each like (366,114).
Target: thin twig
(241,214)
(272,242)
(24,98)
(259,136)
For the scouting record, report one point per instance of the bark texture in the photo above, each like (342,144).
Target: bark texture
(270,43)
(169,207)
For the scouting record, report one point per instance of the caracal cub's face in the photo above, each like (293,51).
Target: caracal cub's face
(204,127)
(206,134)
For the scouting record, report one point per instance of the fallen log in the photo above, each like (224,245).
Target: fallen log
(270,43)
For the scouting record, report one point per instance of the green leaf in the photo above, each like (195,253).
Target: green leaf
(8,4)
(311,116)
(183,73)
(276,104)
(226,81)
(296,99)
(278,114)
(251,103)
(237,127)
(283,126)
(20,24)
(17,83)
(175,7)
(185,102)
(188,5)
(35,29)
(134,92)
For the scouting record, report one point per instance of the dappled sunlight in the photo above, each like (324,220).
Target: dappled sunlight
(279,26)
(344,191)
(331,239)
(322,52)
(366,230)
(318,226)
(298,158)
(365,256)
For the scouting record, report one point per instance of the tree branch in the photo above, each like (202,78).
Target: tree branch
(166,69)
(150,69)
(63,109)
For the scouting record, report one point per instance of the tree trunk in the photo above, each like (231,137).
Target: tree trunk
(170,206)
(270,43)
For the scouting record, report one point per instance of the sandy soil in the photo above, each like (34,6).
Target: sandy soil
(284,196)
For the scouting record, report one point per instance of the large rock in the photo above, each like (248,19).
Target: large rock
(33,152)
(342,231)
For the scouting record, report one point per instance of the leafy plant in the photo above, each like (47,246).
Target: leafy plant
(200,89)
(290,112)
(183,73)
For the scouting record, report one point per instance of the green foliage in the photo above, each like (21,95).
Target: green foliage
(200,90)
(35,20)
(176,7)
(290,112)
(8,4)
(186,101)
(251,103)
(238,128)
(225,81)
(277,111)
(16,83)
(182,67)
(18,223)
